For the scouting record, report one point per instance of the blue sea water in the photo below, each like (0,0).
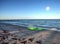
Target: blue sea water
(34,22)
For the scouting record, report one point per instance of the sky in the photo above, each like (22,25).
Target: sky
(29,9)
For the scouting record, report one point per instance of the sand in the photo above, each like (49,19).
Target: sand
(30,37)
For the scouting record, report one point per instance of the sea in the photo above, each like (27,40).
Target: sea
(45,23)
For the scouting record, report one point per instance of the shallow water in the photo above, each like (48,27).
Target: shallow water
(35,22)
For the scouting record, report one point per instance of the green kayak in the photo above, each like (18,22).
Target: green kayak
(35,28)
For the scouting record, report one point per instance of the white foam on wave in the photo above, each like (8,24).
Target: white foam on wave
(54,29)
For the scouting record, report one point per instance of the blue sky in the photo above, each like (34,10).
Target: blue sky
(29,9)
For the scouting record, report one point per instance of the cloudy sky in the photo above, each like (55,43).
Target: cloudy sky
(29,9)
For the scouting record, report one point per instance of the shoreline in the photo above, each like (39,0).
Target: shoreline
(46,36)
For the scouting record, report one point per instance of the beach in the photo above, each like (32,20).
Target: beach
(14,34)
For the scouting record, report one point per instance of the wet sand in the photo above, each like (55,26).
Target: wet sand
(21,35)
